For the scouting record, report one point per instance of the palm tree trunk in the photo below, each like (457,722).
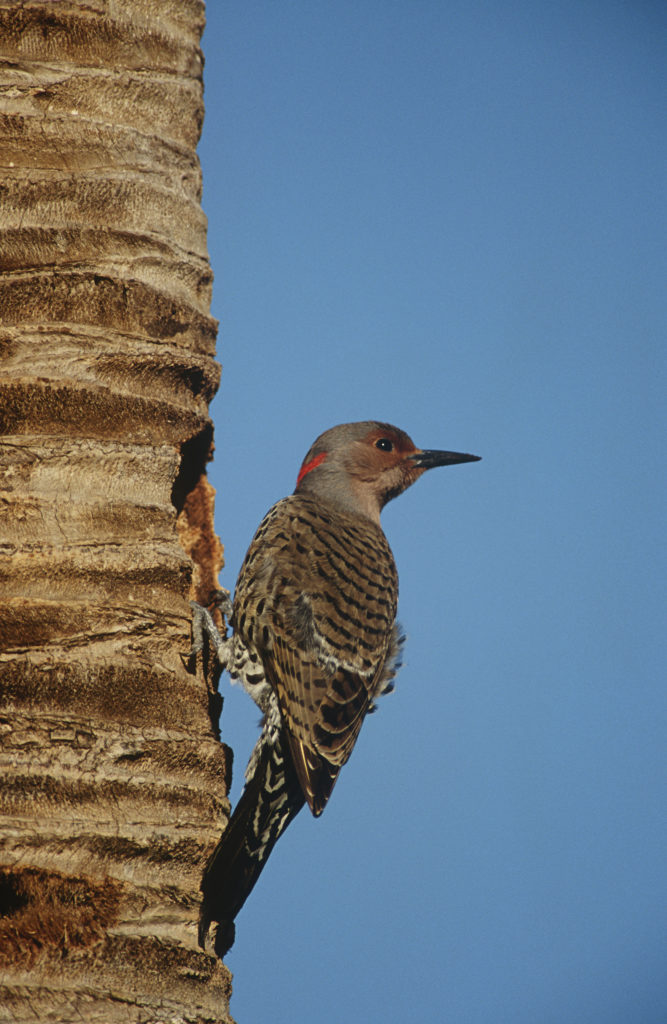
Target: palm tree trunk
(112,781)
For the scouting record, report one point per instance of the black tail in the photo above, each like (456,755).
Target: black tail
(271,799)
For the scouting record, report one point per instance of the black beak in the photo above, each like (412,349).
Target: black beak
(429,459)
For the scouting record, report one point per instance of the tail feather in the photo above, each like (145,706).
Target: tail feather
(271,799)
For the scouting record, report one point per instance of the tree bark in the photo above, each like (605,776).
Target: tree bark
(112,780)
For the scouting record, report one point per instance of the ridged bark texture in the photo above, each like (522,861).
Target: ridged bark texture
(112,781)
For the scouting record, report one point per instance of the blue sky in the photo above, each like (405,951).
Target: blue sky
(451,216)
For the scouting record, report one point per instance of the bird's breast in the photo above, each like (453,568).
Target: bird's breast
(321,577)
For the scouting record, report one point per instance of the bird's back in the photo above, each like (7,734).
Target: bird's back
(316,600)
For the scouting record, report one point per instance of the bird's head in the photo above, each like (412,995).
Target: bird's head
(362,466)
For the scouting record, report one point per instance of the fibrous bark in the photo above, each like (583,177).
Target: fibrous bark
(112,781)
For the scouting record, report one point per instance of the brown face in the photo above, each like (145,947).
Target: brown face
(383,460)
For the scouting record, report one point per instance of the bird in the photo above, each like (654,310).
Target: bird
(314,642)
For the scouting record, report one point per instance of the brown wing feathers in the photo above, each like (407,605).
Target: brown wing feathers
(327,611)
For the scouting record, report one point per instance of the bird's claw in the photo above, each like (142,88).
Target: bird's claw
(222,600)
(205,633)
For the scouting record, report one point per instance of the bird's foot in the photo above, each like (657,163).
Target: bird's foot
(205,633)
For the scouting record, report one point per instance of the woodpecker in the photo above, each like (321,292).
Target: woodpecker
(315,641)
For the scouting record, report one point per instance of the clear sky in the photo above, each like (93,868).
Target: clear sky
(450,215)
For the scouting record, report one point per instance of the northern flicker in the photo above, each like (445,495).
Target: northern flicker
(315,641)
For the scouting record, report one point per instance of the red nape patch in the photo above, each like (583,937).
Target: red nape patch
(307,466)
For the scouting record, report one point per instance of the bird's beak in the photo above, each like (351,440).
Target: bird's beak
(429,459)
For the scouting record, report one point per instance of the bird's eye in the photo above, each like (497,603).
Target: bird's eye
(384,444)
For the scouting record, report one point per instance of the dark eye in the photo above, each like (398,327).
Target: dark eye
(384,444)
